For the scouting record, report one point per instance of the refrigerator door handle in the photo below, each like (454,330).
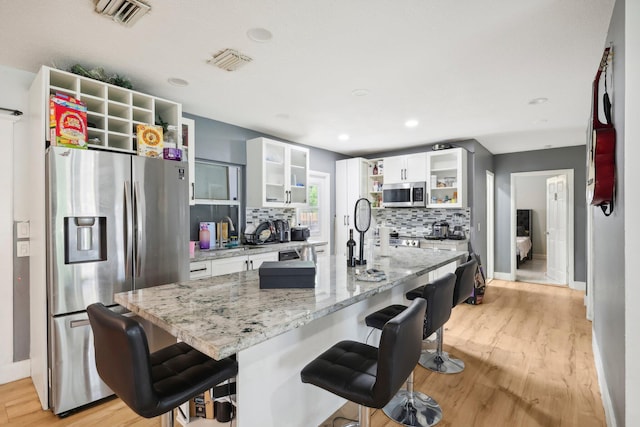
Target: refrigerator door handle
(78,323)
(128,213)
(139,232)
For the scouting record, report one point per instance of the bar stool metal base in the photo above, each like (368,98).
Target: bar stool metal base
(441,362)
(413,409)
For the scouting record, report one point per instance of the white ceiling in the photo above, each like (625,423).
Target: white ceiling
(463,68)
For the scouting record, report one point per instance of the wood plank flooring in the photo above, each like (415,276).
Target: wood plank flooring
(528,357)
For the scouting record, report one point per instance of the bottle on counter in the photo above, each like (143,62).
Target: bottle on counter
(205,237)
(350,248)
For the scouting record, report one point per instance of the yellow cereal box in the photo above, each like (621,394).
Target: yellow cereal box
(150,141)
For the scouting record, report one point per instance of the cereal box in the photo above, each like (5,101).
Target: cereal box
(150,141)
(67,121)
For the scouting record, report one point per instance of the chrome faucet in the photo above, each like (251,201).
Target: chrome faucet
(231,228)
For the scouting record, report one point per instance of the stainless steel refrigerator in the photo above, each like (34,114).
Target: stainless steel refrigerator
(115,222)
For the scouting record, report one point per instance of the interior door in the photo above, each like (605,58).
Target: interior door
(557,228)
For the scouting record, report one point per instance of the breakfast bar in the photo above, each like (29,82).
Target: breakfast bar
(275,332)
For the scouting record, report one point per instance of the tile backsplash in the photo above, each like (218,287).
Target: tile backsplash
(256,215)
(416,222)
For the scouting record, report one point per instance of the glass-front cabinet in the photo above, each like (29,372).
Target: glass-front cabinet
(447,180)
(277,174)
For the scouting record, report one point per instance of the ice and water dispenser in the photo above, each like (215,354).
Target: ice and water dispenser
(85,239)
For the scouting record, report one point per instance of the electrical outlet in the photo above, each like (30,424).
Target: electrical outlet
(22,249)
(23,230)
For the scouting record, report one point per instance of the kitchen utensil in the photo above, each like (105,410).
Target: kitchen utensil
(362,219)
(299,233)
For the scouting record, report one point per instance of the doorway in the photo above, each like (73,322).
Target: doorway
(542,227)
(316,215)
(490,225)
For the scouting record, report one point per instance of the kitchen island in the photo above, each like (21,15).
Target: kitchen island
(275,332)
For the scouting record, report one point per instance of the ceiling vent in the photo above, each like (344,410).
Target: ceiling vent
(126,12)
(229,59)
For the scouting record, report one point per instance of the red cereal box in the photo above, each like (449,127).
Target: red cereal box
(68,121)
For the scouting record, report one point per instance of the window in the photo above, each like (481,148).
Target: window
(316,215)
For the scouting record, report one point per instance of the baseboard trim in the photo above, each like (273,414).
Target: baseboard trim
(15,371)
(602,382)
(578,286)
(502,276)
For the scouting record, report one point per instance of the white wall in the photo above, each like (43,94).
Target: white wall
(14,85)
(531,193)
(632,225)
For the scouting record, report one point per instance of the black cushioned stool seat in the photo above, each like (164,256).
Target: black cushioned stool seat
(381,317)
(440,361)
(150,384)
(408,407)
(367,375)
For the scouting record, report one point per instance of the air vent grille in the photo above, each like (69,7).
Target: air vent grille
(229,59)
(126,12)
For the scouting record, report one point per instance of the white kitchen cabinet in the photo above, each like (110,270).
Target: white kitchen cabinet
(375,182)
(241,263)
(351,184)
(405,168)
(199,269)
(277,174)
(112,111)
(447,182)
(188,127)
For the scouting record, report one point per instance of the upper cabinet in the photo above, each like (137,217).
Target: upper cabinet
(189,149)
(113,112)
(447,181)
(406,168)
(277,174)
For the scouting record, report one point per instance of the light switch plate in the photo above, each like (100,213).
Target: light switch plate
(23,230)
(22,249)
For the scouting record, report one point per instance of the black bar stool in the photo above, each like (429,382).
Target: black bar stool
(150,384)
(409,407)
(367,375)
(440,361)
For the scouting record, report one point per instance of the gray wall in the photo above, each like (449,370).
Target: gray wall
(540,160)
(226,143)
(609,243)
(479,161)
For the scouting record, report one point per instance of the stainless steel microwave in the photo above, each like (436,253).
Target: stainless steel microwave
(404,195)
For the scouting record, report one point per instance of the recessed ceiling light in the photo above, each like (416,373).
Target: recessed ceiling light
(360,92)
(411,123)
(343,137)
(536,101)
(259,35)
(175,81)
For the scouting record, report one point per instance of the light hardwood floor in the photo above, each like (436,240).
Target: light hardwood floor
(528,357)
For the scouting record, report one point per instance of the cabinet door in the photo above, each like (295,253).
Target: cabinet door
(188,143)
(416,167)
(447,178)
(351,184)
(298,176)
(394,169)
(228,265)
(255,261)
(199,269)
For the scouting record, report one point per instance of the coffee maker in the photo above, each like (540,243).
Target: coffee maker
(283,233)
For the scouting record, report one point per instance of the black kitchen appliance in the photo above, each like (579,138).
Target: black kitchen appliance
(439,231)
(282,230)
(300,234)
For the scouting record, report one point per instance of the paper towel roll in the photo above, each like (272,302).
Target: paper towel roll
(384,240)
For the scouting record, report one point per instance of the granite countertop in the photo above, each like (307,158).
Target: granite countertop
(223,315)
(203,255)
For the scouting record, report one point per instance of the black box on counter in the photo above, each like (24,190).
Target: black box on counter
(287,274)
